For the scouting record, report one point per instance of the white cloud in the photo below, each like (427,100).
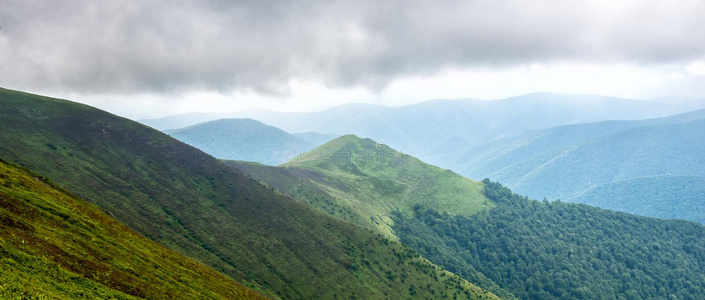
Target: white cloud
(568,77)
(482,83)
(676,76)
(305,55)
(696,68)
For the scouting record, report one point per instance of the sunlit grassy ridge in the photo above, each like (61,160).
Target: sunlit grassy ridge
(200,207)
(53,244)
(362,181)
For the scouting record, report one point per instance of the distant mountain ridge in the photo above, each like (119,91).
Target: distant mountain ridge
(439,126)
(243,139)
(624,165)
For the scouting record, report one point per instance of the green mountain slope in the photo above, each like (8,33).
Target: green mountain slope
(516,246)
(196,205)
(558,250)
(362,181)
(635,165)
(243,139)
(54,245)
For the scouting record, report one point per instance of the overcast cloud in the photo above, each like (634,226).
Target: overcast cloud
(133,47)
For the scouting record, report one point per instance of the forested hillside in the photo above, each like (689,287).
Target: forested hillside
(558,250)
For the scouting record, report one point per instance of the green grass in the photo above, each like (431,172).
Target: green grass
(198,206)
(362,182)
(54,245)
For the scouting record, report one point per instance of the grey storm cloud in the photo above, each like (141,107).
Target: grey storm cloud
(129,47)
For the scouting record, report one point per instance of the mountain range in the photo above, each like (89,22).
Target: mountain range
(506,243)
(650,167)
(440,126)
(195,205)
(640,171)
(352,218)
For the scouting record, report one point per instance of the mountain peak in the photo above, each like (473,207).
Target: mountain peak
(363,181)
(349,138)
(352,149)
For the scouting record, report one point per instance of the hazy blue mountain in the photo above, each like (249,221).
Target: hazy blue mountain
(316,138)
(243,139)
(651,167)
(184,120)
(440,126)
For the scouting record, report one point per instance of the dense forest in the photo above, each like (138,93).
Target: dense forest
(556,250)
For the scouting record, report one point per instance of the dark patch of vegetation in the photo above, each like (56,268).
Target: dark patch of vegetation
(557,250)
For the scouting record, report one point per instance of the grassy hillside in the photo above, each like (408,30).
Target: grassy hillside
(196,205)
(635,165)
(362,181)
(515,247)
(243,139)
(55,245)
(558,250)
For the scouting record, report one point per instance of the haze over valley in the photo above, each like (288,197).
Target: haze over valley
(352,150)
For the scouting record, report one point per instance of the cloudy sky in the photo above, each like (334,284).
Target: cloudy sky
(153,58)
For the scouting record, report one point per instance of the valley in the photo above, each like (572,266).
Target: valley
(353,150)
(350,218)
(199,207)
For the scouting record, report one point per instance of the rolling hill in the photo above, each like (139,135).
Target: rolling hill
(651,167)
(506,243)
(243,139)
(362,181)
(199,207)
(55,245)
